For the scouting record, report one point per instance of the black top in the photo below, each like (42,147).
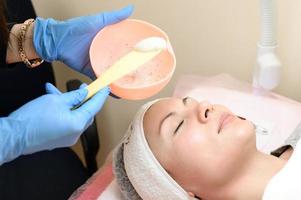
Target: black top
(2,54)
(18,83)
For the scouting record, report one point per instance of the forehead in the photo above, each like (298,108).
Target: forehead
(157,112)
(162,107)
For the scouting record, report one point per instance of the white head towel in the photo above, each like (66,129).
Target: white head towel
(143,170)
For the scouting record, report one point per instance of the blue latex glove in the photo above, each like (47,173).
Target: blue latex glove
(48,122)
(69,41)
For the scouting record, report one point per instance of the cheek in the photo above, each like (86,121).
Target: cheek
(185,162)
(197,159)
(186,144)
(194,150)
(193,139)
(195,143)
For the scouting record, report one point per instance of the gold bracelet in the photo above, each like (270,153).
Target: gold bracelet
(21,39)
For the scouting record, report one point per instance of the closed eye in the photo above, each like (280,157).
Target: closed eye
(179,126)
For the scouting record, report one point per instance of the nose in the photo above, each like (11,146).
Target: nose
(204,108)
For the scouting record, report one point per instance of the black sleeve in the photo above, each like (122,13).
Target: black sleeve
(3,49)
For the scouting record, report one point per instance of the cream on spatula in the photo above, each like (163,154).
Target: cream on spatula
(143,51)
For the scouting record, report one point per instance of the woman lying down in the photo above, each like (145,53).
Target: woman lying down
(180,149)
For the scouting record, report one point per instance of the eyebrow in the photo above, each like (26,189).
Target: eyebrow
(184,100)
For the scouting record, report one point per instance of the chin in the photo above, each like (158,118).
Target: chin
(246,130)
(251,126)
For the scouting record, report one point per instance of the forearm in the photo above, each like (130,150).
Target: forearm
(12,55)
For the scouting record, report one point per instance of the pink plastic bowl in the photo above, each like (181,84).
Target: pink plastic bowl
(115,41)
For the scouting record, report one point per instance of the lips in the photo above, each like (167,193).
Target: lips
(225,119)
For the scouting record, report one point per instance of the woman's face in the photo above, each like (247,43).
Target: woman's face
(200,145)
